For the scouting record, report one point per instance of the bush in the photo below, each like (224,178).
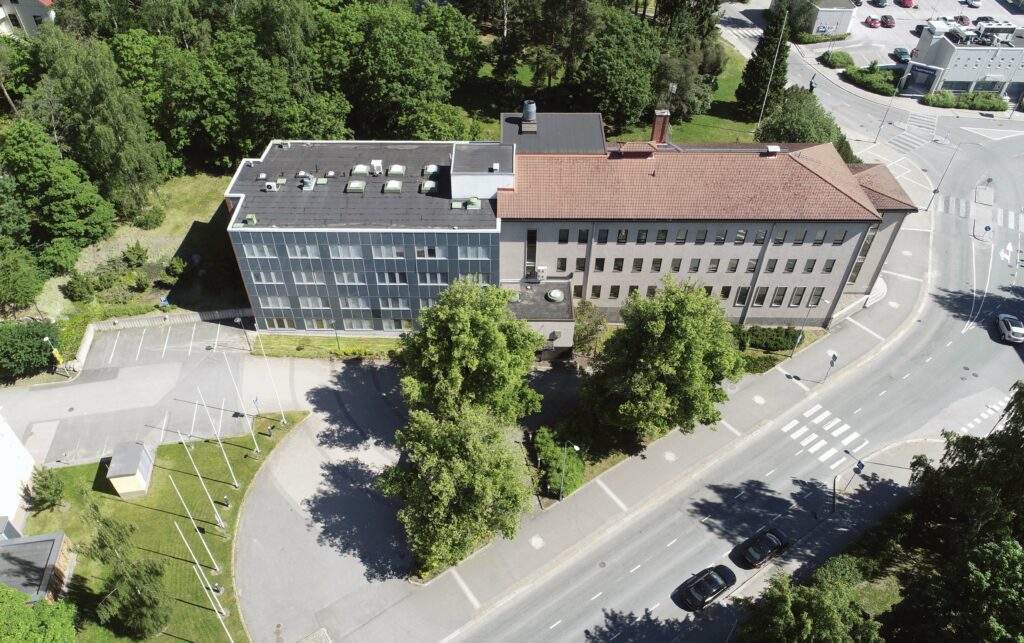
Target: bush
(836,60)
(150,219)
(873,78)
(140,282)
(983,101)
(175,267)
(804,38)
(135,255)
(80,288)
(769,338)
(760,363)
(59,256)
(23,351)
(552,451)
(741,335)
(943,98)
(47,489)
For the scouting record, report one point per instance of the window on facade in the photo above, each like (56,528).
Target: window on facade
(809,265)
(560,264)
(662,237)
(563,235)
(623,236)
(839,238)
(304,277)
(778,296)
(641,236)
(677,265)
(759,237)
(602,235)
(581,263)
(726,291)
(392,277)
(388,252)
(694,265)
(632,289)
(800,236)
(595,292)
(577,291)
(348,278)
(259,251)
(317,323)
(652,291)
(702,235)
(790,265)
(733,265)
(583,235)
(780,237)
(759,295)
(617,264)
(311,302)
(741,236)
(655,265)
(816,294)
(770,265)
(798,296)
(708,290)
(741,295)
(869,238)
(713,265)
(638,265)
(856,271)
(681,235)
(346,252)
(14,21)
(397,324)
(751,265)
(613,292)
(357,324)
(391,303)
(819,237)
(473,252)
(829,265)
(599,265)
(354,302)
(266,277)
(271,301)
(433,278)
(427,302)
(303,251)
(720,236)
(280,323)
(432,252)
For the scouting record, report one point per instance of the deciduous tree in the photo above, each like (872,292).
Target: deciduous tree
(43,622)
(23,350)
(590,326)
(800,118)
(135,598)
(20,278)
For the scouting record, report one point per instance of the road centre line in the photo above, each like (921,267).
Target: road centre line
(905,376)
(769,473)
(729,426)
(192,340)
(114,347)
(811,411)
(673,541)
(902,276)
(594,597)
(141,339)
(468,592)
(555,624)
(857,411)
(166,339)
(865,329)
(611,495)
(634,569)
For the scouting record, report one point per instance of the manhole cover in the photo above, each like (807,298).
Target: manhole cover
(70,409)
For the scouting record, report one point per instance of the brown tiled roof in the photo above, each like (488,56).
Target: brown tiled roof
(805,183)
(882,187)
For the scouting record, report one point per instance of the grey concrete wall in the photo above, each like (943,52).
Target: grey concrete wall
(832,21)
(888,229)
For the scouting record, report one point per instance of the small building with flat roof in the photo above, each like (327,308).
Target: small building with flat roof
(986,57)
(39,566)
(131,469)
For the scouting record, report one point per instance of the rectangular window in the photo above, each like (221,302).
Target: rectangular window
(531,253)
(271,301)
(599,265)
(780,237)
(602,235)
(798,296)
(583,235)
(681,235)
(632,289)
(641,236)
(357,324)
(623,236)
(702,236)
(720,236)
(349,278)
(839,238)
(652,291)
(307,278)
(311,303)
(397,324)
(662,237)
(577,291)
(617,264)
(819,237)
(655,265)
(759,237)
(741,236)
(433,278)
(869,238)
(856,270)
(472,252)
(303,252)
(279,323)
(726,291)
(694,265)
(391,277)
(346,252)
(266,277)
(800,236)
(751,265)
(809,265)
(708,290)
(259,251)
(613,292)
(563,235)
(433,252)
(733,265)
(770,265)
(581,264)
(392,303)
(354,302)
(829,265)
(778,296)
(759,295)
(713,265)
(595,292)
(790,265)
(677,265)
(317,323)
(427,302)
(816,294)
(560,264)
(638,265)
(741,295)
(389,252)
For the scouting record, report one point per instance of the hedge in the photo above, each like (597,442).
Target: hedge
(551,453)
(766,338)
(760,363)
(836,60)
(804,38)
(874,79)
(972,100)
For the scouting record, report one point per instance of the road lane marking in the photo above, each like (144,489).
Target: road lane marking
(594,597)
(905,376)
(216,337)
(192,340)
(902,276)
(798,453)
(793,379)
(861,446)
(928,360)
(798,432)
(611,495)
(555,624)
(790,425)
(769,473)
(729,426)
(672,543)
(857,411)
(817,446)
(825,456)
(882,393)
(468,592)
(850,438)
(831,423)
(837,463)
(166,339)
(811,438)
(141,339)
(163,427)
(866,329)
(634,569)
(811,411)
(949,343)
(841,430)
(704,519)
(821,417)
(654,607)
(114,347)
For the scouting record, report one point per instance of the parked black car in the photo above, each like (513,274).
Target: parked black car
(764,546)
(703,588)
(918,30)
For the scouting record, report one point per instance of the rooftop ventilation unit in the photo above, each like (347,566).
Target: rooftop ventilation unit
(457,205)
(355,186)
(300,174)
(376,167)
(307,182)
(361,170)
(286,145)
(270,186)
(396,170)
(529,111)
(428,187)
(250,219)
(330,174)
(430,170)
(262,176)
(495,167)
(772,151)
(473,203)
(392,187)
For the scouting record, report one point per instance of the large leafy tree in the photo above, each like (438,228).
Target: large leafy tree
(457,36)
(470,349)
(44,622)
(759,79)
(462,480)
(664,368)
(20,278)
(135,598)
(800,118)
(433,122)
(23,351)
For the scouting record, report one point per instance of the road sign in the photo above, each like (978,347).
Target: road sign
(164,302)
(835,356)
(988,228)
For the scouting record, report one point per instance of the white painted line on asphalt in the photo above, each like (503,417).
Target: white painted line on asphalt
(857,411)
(882,393)
(769,473)
(850,438)
(905,376)
(928,360)
(468,592)
(798,432)
(191,340)
(704,519)
(963,429)
(166,339)
(811,411)
(114,347)
(837,463)
(672,542)
(817,446)
(821,417)
(555,624)
(902,276)
(163,427)
(611,495)
(596,595)
(141,339)
(451,637)
(811,438)
(792,379)
(216,337)
(831,423)
(729,426)
(841,430)
(949,343)
(825,456)
(977,420)
(865,329)
(985,414)
(654,607)
(790,425)
(906,229)
(970,425)
(634,569)
(861,446)
(798,453)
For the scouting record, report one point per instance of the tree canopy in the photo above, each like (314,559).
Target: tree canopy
(800,118)
(761,85)
(43,622)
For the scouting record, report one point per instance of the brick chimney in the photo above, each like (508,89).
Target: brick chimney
(659,135)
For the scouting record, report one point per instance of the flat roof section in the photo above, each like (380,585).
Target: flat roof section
(556,133)
(331,204)
(479,158)
(26,564)
(534,303)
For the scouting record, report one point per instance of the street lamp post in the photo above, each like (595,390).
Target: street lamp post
(238,320)
(565,454)
(337,342)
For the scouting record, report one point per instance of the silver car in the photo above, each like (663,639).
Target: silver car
(1011,328)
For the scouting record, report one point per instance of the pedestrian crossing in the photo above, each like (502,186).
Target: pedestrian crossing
(964,208)
(945,203)
(991,411)
(747,33)
(1009,219)
(923,121)
(920,131)
(906,141)
(825,436)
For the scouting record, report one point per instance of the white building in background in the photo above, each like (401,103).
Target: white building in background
(15,472)
(22,17)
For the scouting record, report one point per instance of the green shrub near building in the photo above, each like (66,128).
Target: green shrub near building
(836,60)
(984,101)
(806,38)
(874,78)
(552,451)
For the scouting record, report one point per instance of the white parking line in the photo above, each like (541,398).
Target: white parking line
(729,426)
(468,592)
(790,425)
(841,430)
(673,541)
(166,339)
(817,446)
(825,456)
(811,411)
(811,438)
(850,438)
(798,432)
(634,569)
(191,340)
(555,624)
(821,417)
(596,595)
(769,473)
(905,376)
(611,495)
(865,329)
(950,342)
(141,339)
(114,347)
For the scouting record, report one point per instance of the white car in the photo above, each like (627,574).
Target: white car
(1010,328)
(974,4)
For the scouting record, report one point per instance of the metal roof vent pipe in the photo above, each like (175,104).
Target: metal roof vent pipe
(529,111)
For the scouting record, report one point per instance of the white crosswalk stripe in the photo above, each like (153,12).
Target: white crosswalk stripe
(811,411)
(817,446)
(798,432)
(906,142)
(825,456)
(1011,218)
(837,463)
(841,430)
(850,438)
(831,423)
(824,414)
(811,438)
(999,217)
(790,425)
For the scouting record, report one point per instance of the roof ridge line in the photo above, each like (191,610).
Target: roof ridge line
(796,156)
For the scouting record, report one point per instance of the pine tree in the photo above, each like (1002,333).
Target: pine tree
(758,78)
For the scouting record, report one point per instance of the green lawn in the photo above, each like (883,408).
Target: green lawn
(324,346)
(154,517)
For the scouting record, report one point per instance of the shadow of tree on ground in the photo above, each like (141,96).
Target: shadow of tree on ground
(363,406)
(714,623)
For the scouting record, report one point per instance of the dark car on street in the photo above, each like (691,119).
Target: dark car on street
(918,30)
(703,588)
(906,4)
(981,19)
(901,54)
(888,21)
(764,546)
